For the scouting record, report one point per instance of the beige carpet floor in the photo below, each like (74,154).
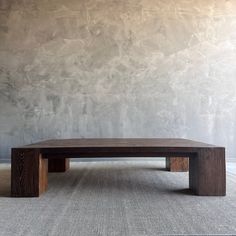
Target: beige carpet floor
(133,198)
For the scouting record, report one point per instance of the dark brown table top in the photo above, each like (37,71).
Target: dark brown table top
(119,142)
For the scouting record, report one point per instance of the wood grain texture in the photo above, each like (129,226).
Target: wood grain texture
(207,172)
(58,164)
(177,164)
(28,173)
(135,147)
(118,142)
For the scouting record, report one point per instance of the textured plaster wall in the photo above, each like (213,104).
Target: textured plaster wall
(117,68)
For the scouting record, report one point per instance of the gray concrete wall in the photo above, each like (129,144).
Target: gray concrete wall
(117,68)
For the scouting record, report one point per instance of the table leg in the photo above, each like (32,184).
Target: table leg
(177,164)
(28,173)
(58,164)
(207,174)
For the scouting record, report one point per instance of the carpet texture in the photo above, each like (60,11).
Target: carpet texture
(118,198)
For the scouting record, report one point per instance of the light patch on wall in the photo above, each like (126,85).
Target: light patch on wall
(128,68)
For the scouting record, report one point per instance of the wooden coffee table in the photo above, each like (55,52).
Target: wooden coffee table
(31,163)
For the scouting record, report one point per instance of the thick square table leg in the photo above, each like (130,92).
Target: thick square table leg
(58,164)
(207,174)
(177,164)
(28,173)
